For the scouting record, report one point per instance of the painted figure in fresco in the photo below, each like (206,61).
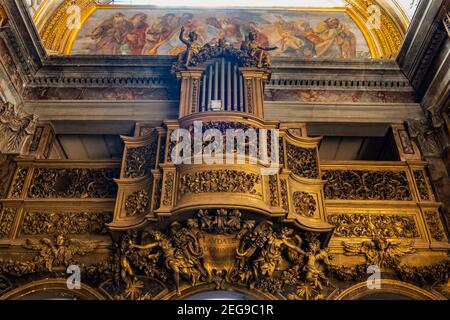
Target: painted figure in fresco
(160,33)
(332,39)
(251,46)
(110,35)
(135,39)
(192,47)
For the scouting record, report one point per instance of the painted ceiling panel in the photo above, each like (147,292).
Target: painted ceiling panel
(341,29)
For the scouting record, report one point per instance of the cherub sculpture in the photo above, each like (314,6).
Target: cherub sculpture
(60,253)
(192,47)
(379,251)
(315,258)
(253,49)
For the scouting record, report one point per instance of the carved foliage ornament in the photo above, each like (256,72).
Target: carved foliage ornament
(19,182)
(305,204)
(365,225)
(220,181)
(137,203)
(37,223)
(73,183)
(421,185)
(6,221)
(366,185)
(140,160)
(302,162)
(435,225)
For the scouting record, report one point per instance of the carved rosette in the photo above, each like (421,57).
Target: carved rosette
(302,161)
(19,182)
(363,225)
(41,223)
(435,226)
(7,216)
(137,203)
(366,185)
(304,204)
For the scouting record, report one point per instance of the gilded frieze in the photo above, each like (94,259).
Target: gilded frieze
(302,161)
(19,182)
(304,204)
(360,225)
(366,185)
(220,181)
(73,183)
(45,223)
(137,203)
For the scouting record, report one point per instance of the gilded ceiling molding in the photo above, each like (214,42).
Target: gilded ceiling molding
(55,34)
(388,38)
(383,43)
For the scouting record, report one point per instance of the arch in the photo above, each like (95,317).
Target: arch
(52,286)
(190,291)
(388,286)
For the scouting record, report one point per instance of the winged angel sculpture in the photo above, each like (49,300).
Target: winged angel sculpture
(61,252)
(379,251)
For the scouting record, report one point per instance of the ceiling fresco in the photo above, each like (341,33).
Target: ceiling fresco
(334,29)
(156,32)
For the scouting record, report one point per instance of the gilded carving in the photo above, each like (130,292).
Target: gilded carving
(140,160)
(222,247)
(284,194)
(422,185)
(59,252)
(220,181)
(273,190)
(366,185)
(302,161)
(73,183)
(304,203)
(39,223)
(168,188)
(6,221)
(379,251)
(434,225)
(19,182)
(137,203)
(368,225)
